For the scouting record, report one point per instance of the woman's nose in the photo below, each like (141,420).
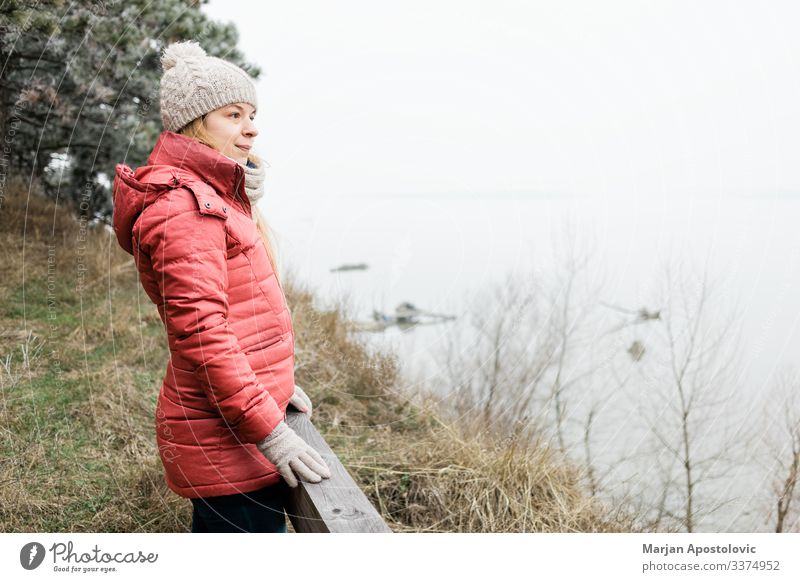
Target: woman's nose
(251,130)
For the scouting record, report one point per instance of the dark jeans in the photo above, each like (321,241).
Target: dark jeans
(259,511)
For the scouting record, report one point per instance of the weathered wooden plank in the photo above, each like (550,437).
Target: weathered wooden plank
(334,505)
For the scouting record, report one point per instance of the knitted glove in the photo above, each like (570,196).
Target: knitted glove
(292,455)
(301,401)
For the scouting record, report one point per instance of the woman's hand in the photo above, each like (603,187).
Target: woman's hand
(301,401)
(295,459)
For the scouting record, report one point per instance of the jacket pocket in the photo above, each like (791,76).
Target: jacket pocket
(264,344)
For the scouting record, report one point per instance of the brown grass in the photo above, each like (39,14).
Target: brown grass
(82,355)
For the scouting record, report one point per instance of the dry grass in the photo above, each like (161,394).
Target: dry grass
(82,355)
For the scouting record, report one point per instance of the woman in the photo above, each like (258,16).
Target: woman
(204,259)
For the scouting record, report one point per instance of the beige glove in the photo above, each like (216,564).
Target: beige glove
(293,456)
(301,401)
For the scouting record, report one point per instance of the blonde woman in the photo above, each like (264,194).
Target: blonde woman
(205,260)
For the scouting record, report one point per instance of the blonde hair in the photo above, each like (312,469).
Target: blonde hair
(196,129)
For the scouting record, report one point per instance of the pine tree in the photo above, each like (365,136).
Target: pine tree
(79,87)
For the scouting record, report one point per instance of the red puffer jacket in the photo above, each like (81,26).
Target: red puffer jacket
(186,219)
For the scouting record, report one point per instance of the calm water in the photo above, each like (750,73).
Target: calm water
(437,251)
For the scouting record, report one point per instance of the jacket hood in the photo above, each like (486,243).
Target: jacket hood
(175,160)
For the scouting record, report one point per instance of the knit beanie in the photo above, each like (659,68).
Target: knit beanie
(194,84)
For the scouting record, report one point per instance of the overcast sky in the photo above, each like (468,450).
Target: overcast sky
(657,99)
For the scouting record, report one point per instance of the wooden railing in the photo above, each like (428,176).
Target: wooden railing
(334,505)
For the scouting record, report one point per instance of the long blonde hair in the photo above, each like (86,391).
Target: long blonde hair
(196,129)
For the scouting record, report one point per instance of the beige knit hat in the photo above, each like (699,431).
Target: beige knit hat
(194,83)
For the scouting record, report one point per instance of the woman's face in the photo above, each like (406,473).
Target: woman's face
(232,128)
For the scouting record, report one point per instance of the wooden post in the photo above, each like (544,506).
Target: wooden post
(334,505)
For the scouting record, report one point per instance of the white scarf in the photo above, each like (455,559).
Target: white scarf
(253,184)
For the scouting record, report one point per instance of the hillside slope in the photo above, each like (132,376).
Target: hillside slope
(83,353)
